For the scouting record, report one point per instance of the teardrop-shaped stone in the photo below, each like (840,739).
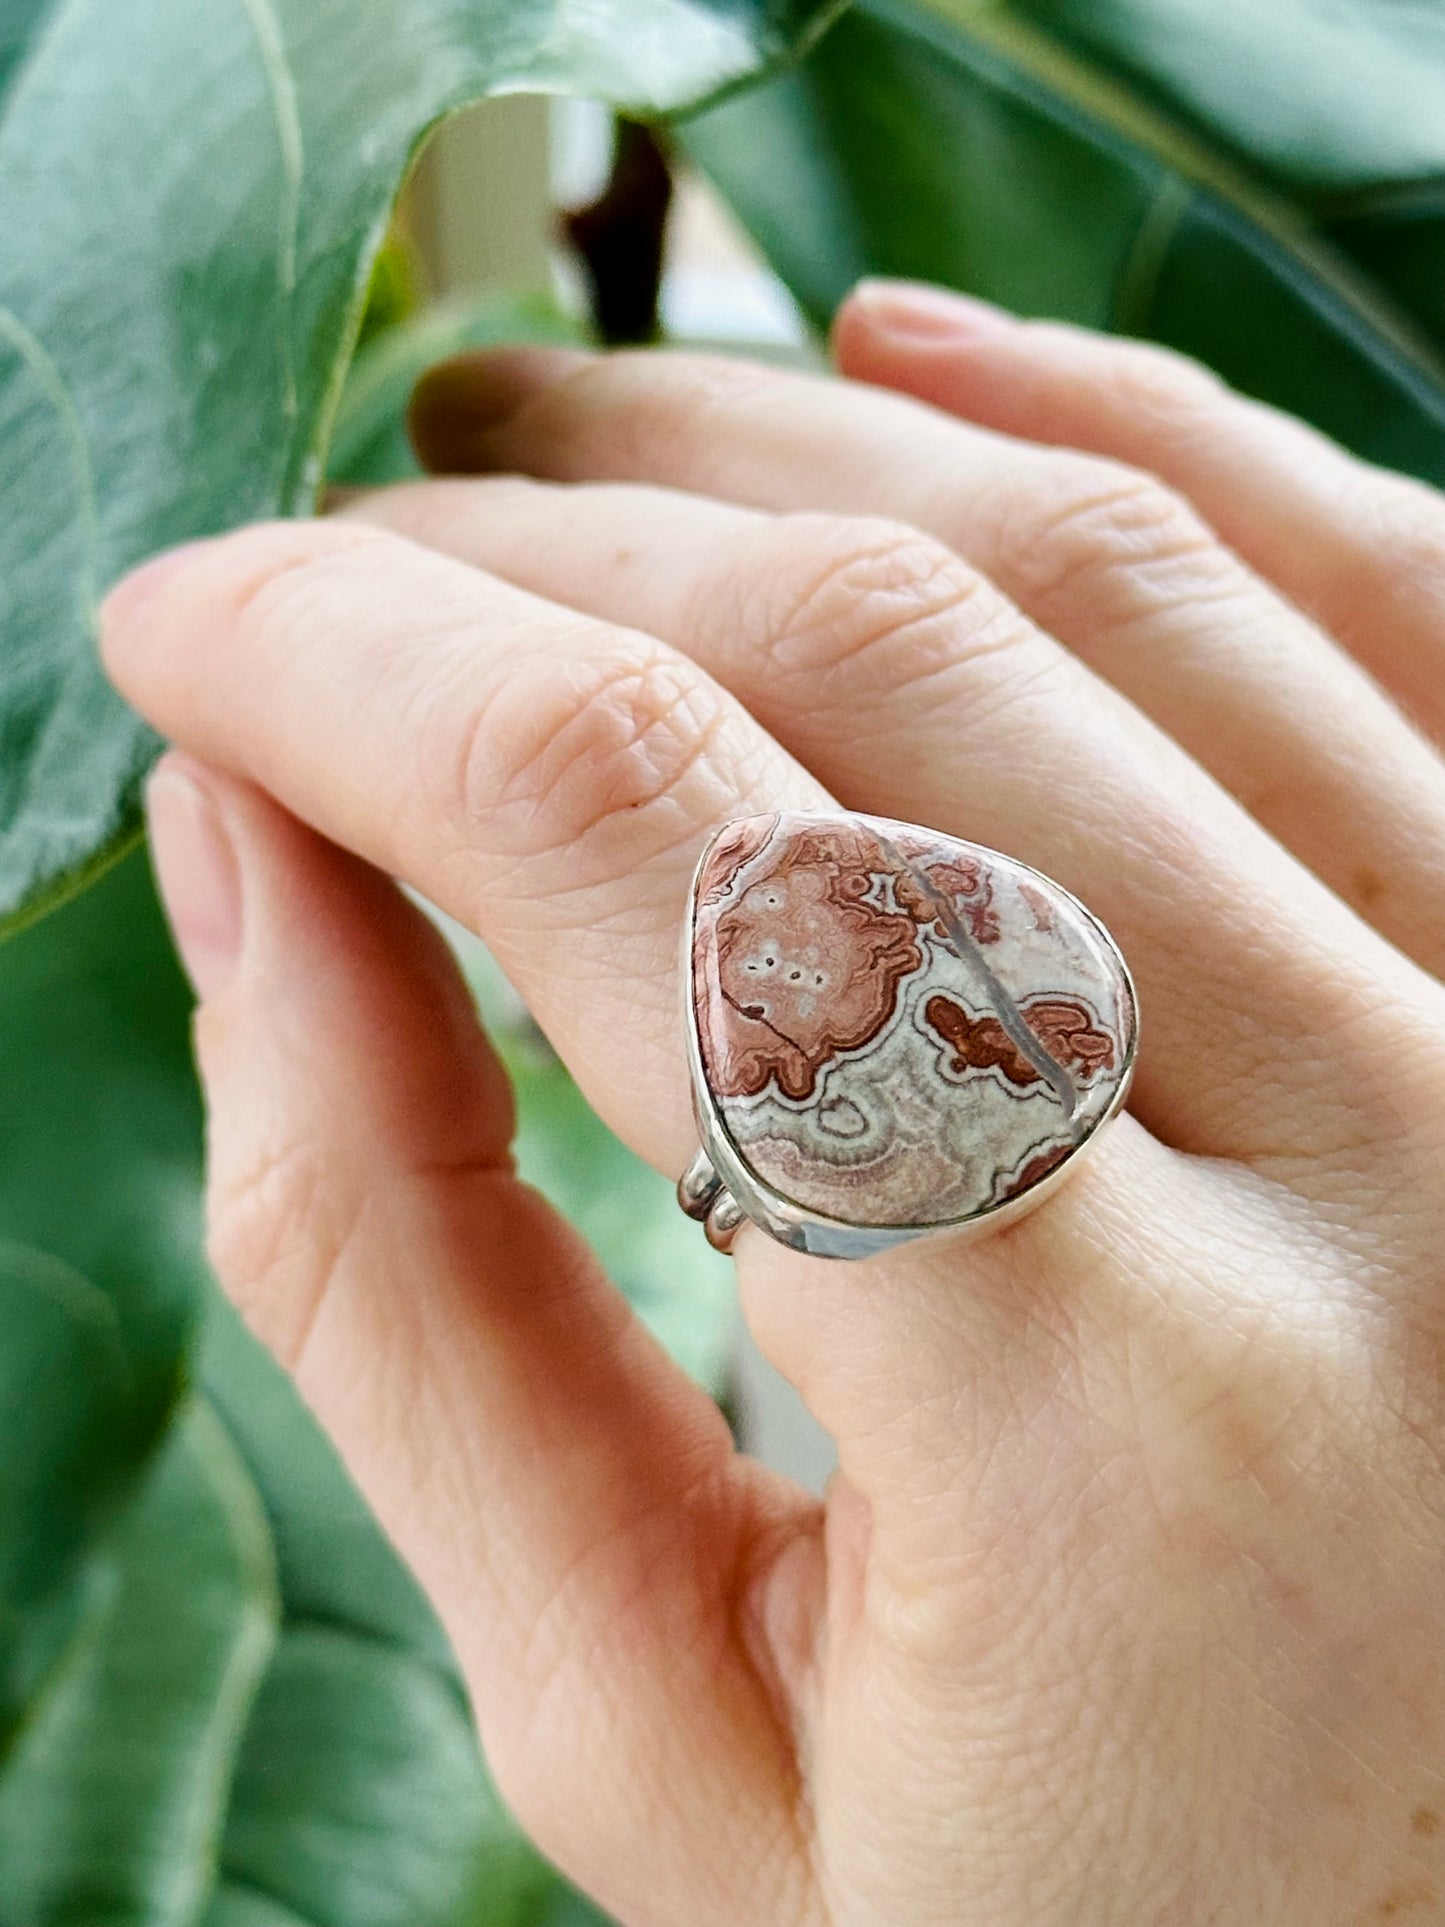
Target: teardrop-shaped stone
(898,1028)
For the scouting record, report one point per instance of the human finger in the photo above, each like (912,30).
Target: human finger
(1106,558)
(570,1500)
(545,777)
(1359,547)
(912,688)
(551,779)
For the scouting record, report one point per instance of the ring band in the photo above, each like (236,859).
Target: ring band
(892,1034)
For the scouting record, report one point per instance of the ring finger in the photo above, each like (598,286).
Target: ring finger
(911,687)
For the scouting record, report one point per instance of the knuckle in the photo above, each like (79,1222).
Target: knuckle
(658,410)
(435,511)
(875,604)
(277,1231)
(1398,523)
(276,572)
(572,748)
(1160,390)
(1081,529)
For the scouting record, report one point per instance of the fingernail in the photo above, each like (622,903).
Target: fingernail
(459,402)
(197,872)
(916,311)
(131,596)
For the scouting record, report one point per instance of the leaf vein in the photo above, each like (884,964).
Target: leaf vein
(285,107)
(42,364)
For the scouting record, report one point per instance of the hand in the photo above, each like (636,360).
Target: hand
(1127,1605)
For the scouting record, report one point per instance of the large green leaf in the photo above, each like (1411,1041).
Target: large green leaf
(18,22)
(111,1804)
(359,1752)
(99,1155)
(191,198)
(359,1795)
(64,1398)
(1320,99)
(92,996)
(99,1160)
(100,1129)
(1337,107)
(975,143)
(343,1784)
(568,1909)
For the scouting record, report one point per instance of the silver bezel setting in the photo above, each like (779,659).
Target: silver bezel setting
(720,1190)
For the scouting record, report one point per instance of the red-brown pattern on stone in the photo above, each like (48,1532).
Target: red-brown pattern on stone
(1035,1171)
(1040,909)
(1066,1030)
(837,963)
(734,847)
(965,884)
(806,965)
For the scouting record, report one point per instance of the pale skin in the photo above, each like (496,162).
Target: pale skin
(1127,1604)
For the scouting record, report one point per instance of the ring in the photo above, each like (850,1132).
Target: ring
(892,1034)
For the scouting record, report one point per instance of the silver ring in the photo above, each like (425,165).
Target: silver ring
(892,1034)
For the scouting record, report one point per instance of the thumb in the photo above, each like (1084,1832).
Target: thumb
(571,1501)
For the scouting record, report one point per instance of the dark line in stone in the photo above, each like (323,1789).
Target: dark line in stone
(1015,1025)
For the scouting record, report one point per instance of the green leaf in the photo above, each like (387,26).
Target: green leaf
(99,1163)
(19,20)
(191,199)
(1356,136)
(570,1909)
(100,1131)
(359,1794)
(392,293)
(360,1799)
(92,998)
(111,1804)
(65,1396)
(1319,100)
(967,143)
(528,1893)
(240,1908)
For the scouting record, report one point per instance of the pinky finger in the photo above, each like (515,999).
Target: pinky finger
(1359,548)
(570,1500)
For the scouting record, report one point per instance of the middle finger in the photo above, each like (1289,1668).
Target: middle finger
(1106,558)
(913,689)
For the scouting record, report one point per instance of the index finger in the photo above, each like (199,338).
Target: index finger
(546,777)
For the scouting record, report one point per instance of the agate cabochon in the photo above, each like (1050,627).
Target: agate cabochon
(896,1028)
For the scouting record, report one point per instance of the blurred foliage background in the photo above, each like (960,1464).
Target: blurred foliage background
(222,1699)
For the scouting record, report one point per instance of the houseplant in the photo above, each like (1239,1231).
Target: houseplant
(221,1698)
